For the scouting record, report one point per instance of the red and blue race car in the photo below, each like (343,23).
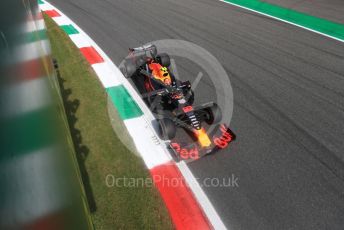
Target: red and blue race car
(171,100)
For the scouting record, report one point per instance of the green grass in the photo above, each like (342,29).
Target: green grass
(98,149)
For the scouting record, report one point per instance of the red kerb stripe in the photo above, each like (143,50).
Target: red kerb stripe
(181,204)
(52,13)
(91,55)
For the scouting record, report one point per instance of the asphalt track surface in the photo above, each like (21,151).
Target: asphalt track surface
(288,104)
(328,9)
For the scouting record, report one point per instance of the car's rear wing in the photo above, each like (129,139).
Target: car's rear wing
(145,48)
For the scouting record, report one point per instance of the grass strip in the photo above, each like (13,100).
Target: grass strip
(99,151)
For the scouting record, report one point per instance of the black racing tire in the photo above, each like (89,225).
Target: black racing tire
(164,59)
(140,60)
(129,68)
(213,114)
(167,129)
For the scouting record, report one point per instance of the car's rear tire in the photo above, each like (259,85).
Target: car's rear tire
(213,114)
(164,59)
(128,69)
(167,129)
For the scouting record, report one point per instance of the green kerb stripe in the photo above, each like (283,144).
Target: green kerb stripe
(324,26)
(40,2)
(70,29)
(124,103)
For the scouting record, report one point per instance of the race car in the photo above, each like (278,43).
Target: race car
(171,100)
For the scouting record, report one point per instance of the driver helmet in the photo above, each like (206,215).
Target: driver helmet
(161,73)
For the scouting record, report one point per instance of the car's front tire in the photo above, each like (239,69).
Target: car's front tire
(167,129)
(213,114)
